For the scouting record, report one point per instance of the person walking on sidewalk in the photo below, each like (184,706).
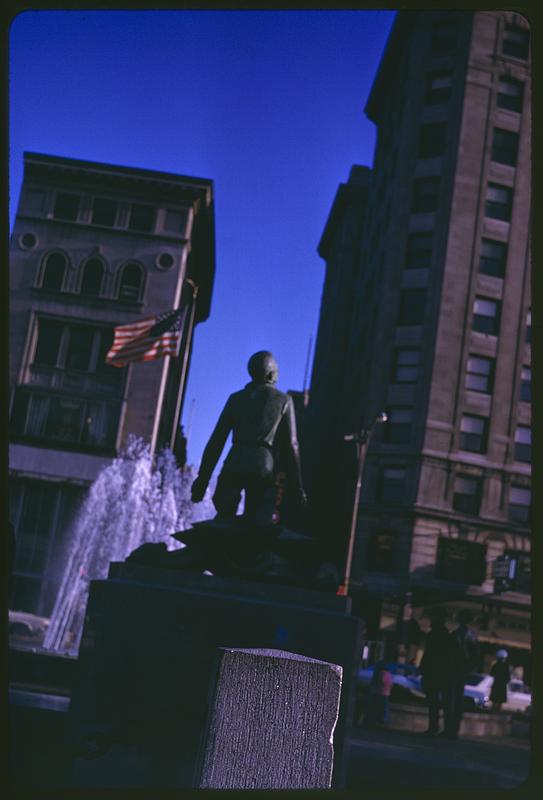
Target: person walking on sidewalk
(501,672)
(379,695)
(466,658)
(437,668)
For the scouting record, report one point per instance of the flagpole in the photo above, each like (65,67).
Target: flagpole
(184,366)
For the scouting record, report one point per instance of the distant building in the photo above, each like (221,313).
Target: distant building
(440,334)
(93,246)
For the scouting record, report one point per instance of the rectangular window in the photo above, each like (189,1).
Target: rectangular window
(142,218)
(412,307)
(480,374)
(66,206)
(406,365)
(516,42)
(438,87)
(486,316)
(34,201)
(499,202)
(473,433)
(175,221)
(397,429)
(504,147)
(510,94)
(467,494)
(519,504)
(418,252)
(461,561)
(526,384)
(391,484)
(425,195)
(432,140)
(523,444)
(493,258)
(104,211)
(382,551)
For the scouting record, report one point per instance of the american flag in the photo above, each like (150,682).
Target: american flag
(147,339)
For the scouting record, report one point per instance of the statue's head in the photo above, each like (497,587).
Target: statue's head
(263,367)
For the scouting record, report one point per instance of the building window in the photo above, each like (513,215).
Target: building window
(467,494)
(493,258)
(519,504)
(406,365)
(473,433)
(523,578)
(391,484)
(461,561)
(41,514)
(418,252)
(412,307)
(516,42)
(66,206)
(486,315)
(104,211)
(53,269)
(175,221)
(432,140)
(142,218)
(526,384)
(93,276)
(382,551)
(529,326)
(425,195)
(399,425)
(499,202)
(131,283)
(504,147)
(523,443)
(480,374)
(438,87)
(510,94)
(444,34)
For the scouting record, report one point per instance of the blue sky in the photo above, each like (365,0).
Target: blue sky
(267,104)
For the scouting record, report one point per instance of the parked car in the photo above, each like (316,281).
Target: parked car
(27,627)
(406,680)
(479,686)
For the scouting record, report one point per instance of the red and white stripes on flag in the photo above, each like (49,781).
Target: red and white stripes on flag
(147,339)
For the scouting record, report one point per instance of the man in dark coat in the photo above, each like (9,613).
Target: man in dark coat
(466,659)
(436,669)
(263,426)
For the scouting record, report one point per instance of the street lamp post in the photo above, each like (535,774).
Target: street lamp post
(361,439)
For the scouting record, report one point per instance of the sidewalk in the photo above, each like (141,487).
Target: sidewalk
(394,759)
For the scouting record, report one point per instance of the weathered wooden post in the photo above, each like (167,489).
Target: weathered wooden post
(271,721)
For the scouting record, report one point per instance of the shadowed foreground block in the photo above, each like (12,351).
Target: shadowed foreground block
(271,721)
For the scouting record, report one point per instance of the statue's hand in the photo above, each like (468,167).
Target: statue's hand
(302,498)
(198,490)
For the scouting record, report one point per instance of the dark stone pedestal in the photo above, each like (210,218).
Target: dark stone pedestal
(140,701)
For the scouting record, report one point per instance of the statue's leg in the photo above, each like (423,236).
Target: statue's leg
(260,502)
(227,495)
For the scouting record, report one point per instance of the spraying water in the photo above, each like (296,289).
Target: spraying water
(132,501)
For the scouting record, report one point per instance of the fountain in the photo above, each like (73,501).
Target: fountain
(135,500)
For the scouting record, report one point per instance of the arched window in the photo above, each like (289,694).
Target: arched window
(93,275)
(131,283)
(54,268)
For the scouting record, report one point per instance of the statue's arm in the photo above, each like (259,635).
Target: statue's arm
(295,467)
(212,452)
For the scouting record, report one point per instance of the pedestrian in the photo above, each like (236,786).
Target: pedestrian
(466,659)
(501,672)
(436,667)
(379,695)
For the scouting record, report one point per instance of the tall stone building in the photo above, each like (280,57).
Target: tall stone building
(93,246)
(440,335)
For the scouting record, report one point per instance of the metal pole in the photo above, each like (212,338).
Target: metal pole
(183,375)
(361,438)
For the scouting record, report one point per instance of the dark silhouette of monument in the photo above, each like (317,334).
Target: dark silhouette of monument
(264,463)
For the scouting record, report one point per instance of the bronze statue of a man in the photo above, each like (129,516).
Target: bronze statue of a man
(263,426)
